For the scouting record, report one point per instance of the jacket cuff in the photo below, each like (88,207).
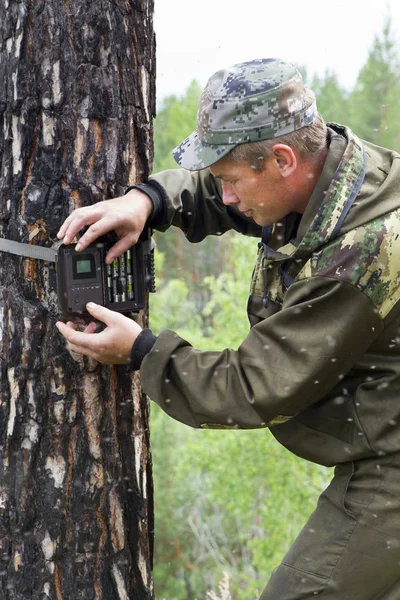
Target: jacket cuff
(141,347)
(159,214)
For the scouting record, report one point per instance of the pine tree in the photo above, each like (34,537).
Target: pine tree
(331,97)
(376,89)
(76,101)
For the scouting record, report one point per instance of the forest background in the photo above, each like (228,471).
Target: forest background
(229,503)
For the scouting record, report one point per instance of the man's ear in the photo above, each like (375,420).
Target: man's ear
(285,159)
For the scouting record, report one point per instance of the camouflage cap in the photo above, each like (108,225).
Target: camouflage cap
(248,102)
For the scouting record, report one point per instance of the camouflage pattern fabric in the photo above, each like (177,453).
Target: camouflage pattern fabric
(248,102)
(368,258)
(341,193)
(364,257)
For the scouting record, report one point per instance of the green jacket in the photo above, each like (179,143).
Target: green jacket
(320,365)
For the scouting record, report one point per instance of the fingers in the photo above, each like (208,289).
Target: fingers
(92,233)
(78,219)
(64,227)
(71,334)
(103,314)
(74,224)
(94,216)
(95,230)
(91,328)
(125,215)
(80,342)
(120,247)
(112,345)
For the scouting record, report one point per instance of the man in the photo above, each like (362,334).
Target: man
(320,365)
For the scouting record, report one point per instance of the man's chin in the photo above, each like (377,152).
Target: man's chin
(262,221)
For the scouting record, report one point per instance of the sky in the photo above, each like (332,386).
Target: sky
(195,38)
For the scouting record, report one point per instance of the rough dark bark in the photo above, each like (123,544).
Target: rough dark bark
(76,102)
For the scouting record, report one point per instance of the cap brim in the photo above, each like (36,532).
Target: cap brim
(192,154)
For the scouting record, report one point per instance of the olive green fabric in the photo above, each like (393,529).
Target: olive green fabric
(326,347)
(320,365)
(350,547)
(194,203)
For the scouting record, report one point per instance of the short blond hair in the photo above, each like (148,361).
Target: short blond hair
(308,142)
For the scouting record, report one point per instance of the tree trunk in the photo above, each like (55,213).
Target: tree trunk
(76,102)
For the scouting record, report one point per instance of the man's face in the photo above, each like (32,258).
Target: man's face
(265,196)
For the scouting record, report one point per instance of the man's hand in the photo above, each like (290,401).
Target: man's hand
(126,215)
(110,346)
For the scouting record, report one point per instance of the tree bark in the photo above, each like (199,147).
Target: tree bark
(76,104)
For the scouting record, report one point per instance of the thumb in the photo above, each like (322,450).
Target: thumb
(101,313)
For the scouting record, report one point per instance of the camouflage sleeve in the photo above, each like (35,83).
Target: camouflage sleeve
(287,362)
(194,202)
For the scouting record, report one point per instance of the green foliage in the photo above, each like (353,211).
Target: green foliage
(390,124)
(194,262)
(374,103)
(332,99)
(172,308)
(225,311)
(225,501)
(176,119)
(222,318)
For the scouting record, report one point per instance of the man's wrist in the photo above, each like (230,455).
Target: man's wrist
(159,212)
(141,347)
(134,190)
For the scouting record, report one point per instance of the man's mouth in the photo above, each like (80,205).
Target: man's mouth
(246,212)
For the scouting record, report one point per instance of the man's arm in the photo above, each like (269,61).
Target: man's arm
(193,202)
(286,363)
(126,215)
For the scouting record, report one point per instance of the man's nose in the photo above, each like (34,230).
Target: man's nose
(228,193)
